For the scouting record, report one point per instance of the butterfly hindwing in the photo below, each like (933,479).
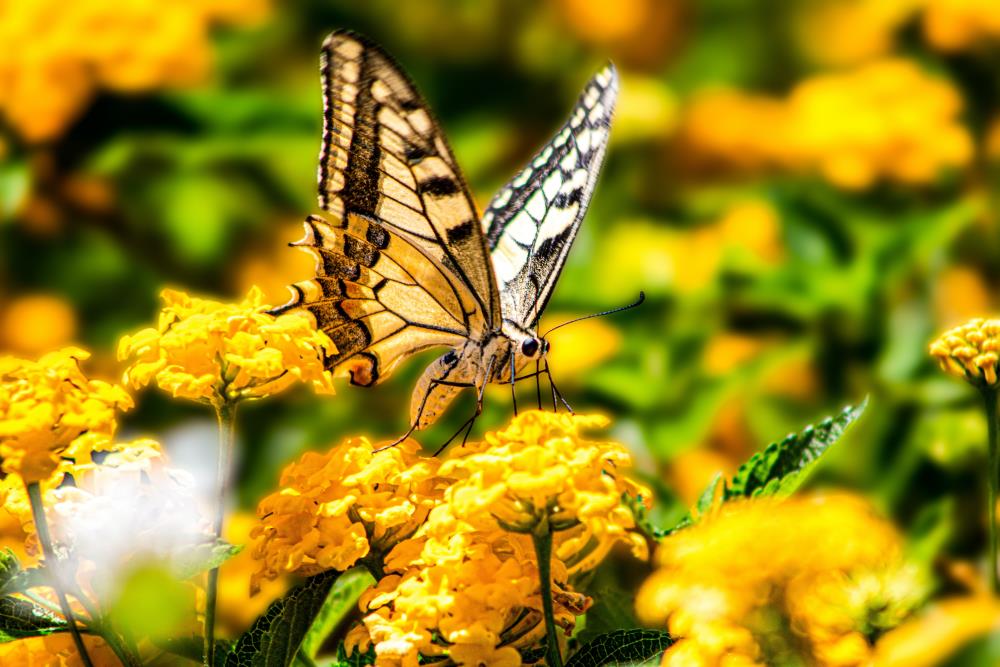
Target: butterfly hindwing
(377,296)
(531,223)
(384,157)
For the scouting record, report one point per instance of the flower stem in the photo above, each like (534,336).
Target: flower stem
(991,397)
(42,526)
(542,537)
(226,414)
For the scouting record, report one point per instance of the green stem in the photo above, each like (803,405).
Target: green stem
(542,537)
(226,414)
(990,397)
(42,526)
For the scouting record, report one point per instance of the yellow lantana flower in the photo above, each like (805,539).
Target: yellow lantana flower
(47,404)
(762,582)
(540,467)
(220,353)
(55,650)
(472,596)
(970,352)
(467,585)
(336,508)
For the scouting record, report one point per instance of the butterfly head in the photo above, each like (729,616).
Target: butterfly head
(534,347)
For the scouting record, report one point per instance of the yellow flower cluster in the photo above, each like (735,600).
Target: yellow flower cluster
(809,580)
(538,471)
(47,404)
(219,353)
(335,508)
(883,120)
(970,352)
(450,541)
(56,54)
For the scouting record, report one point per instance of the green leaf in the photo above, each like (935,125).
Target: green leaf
(202,558)
(20,618)
(783,466)
(193,648)
(13,579)
(780,468)
(622,647)
(340,601)
(277,634)
(357,659)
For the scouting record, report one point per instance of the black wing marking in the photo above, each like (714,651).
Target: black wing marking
(531,223)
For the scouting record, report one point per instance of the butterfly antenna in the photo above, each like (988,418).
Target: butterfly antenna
(638,302)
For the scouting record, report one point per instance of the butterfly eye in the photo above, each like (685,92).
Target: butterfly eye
(529,347)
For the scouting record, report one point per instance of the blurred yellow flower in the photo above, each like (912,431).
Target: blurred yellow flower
(646,110)
(57,55)
(237,609)
(55,650)
(846,32)
(754,227)
(334,509)
(635,32)
(953,25)
(691,471)
(970,352)
(582,346)
(937,633)
(36,323)
(219,353)
(960,293)
(47,404)
(272,268)
(883,120)
(726,351)
(760,582)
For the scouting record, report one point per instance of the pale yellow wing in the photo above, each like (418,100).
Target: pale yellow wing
(378,297)
(385,158)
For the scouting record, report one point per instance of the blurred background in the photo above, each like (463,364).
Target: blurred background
(804,190)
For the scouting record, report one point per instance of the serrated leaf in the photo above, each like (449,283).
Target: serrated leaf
(783,466)
(277,634)
(780,468)
(202,558)
(21,618)
(622,647)
(640,514)
(340,601)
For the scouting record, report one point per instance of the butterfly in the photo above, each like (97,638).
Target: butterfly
(403,261)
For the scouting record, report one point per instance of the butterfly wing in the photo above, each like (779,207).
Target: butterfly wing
(531,223)
(402,264)
(384,157)
(377,296)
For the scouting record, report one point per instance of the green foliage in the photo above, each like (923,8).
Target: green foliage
(202,558)
(357,659)
(340,601)
(276,636)
(152,603)
(622,647)
(19,617)
(780,468)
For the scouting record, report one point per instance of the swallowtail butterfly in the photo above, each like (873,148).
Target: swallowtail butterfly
(404,263)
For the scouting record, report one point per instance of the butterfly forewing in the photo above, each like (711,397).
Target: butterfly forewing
(384,157)
(531,223)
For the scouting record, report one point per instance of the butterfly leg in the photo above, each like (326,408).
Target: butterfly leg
(556,393)
(538,382)
(513,394)
(423,404)
(467,426)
